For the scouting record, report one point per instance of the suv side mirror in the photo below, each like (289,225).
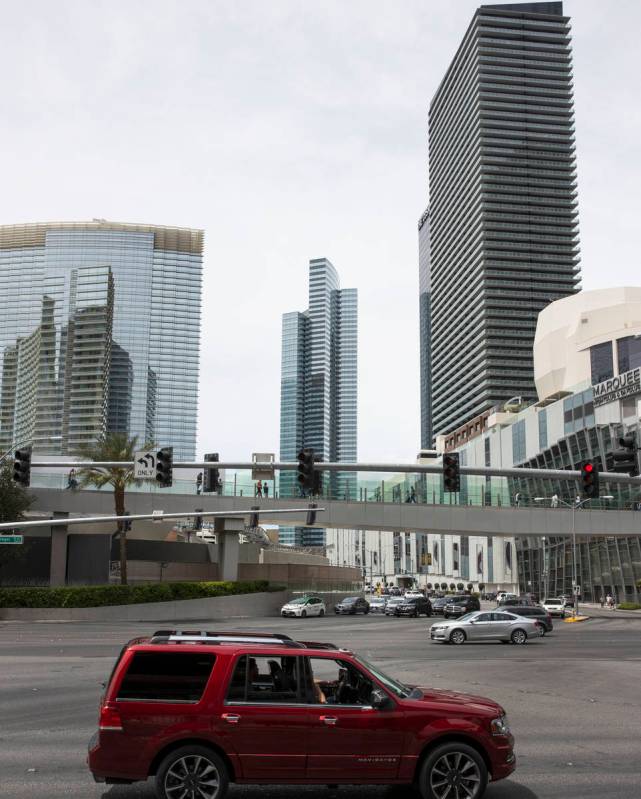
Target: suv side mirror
(379,700)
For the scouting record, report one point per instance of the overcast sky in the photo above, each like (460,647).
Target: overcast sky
(287,131)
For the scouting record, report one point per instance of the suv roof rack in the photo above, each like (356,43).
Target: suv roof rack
(224,633)
(229,636)
(200,637)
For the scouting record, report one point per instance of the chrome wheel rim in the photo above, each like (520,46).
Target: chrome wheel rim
(192,777)
(518,636)
(455,776)
(457,637)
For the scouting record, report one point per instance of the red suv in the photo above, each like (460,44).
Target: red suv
(198,710)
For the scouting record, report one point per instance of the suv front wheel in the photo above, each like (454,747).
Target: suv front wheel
(192,771)
(453,769)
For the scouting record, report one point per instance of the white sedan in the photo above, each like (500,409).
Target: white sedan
(304,606)
(555,606)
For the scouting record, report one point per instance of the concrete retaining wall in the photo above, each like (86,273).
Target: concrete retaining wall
(209,610)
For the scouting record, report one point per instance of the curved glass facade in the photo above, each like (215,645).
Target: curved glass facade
(152,340)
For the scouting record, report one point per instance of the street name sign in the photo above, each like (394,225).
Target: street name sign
(144,465)
(11,539)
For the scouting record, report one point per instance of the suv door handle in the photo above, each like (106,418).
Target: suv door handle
(330,721)
(231,718)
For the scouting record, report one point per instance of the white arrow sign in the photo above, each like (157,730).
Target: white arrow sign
(144,465)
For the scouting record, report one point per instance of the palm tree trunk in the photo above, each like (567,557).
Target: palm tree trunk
(119,497)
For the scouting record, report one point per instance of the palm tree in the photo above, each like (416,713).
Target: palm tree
(111,447)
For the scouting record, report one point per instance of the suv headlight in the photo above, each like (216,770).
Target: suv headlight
(500,726)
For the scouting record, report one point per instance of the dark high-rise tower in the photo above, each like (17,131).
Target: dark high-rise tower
(503,205)
(424,322)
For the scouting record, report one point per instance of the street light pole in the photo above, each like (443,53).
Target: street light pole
(573,507)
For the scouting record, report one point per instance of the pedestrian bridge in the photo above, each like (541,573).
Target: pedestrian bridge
(387,516)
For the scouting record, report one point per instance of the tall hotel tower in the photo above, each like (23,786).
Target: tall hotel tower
(318,404)
(503,222)
(100,332)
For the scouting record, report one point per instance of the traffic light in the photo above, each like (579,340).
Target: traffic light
(211,475)
(198,520)
(305,471)
(22,466)
(451,472)
(625,458)
(590,479)
(317,482)
(165,466)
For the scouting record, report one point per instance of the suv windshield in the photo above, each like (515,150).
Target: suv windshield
(396,687)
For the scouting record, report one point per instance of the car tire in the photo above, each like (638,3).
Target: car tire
(366,611)
(322,613)
(452,758)
(518,637)
(303,614)
(188,760)
(457,637)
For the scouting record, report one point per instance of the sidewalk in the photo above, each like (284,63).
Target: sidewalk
(595,610)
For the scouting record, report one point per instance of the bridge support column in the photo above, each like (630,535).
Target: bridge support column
(58,562)
(227,530)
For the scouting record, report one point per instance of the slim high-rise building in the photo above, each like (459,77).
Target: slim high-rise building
(424,328)
(319,386)
(100,332)
(503,206)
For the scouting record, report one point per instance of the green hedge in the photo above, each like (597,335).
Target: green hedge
(629,606)
(93,596)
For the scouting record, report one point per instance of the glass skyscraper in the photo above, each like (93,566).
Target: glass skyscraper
(503,206)
(106,319)
(319,386)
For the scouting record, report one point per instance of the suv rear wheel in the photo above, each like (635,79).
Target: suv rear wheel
(451,770)
(192,771)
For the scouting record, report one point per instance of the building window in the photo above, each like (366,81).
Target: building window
(488,459)
(543,429)
(601,362)
(629,353)
(518,441)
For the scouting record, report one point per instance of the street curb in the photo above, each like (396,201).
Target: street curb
(575,619)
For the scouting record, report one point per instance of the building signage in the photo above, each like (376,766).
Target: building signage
(616,388)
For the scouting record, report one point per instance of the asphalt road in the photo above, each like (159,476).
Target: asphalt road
(573,698)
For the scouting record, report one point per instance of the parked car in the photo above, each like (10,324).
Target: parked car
(486,626)
(509,601)
(536,613)
(460,605)
(352,605)
(414,606)
(395,591)
(189,711)
(567,600)
(555,606)
(304,606)
(392,603)
(504,595)
(438,604)
(377,604)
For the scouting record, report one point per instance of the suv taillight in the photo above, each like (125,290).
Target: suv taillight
(110,718)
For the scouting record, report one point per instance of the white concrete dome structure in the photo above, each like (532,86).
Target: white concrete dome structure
(568,328)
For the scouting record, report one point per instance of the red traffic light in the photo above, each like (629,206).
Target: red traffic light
(588,467)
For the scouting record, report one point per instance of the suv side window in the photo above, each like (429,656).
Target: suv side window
(337,682)
(166,677)
(272,679)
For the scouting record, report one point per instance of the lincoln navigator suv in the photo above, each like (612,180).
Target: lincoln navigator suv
(197,710)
